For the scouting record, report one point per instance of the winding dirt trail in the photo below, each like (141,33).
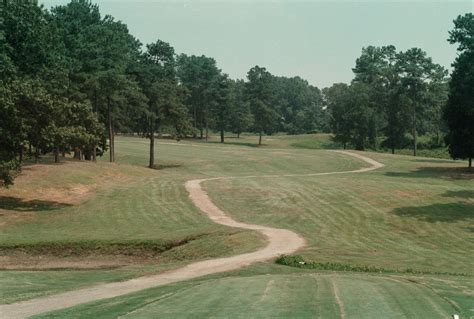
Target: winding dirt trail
(280,241)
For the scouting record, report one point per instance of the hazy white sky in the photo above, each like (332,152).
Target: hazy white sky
(317,40)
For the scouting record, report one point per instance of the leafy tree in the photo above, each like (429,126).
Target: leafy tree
(240,116)
(260,95)
(11,136)
(375,68)
(220,102)
(197,74)
(165,97)
(336,100)
(417,73)
(99,52)
(351,113)
(459,111)
(299,104)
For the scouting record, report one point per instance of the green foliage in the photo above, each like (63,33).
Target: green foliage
(459,111)
(197,74)
(299,262)
(139,248)
(351,114)
(260,94)
(240,117)
(391,94)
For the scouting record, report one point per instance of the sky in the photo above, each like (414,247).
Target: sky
(316,40)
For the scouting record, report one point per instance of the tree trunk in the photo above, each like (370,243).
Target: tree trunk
(344,145)
(393,150)
(56,154)
(94,154)
(414,132)
(260,138)
(111,132)
(238,134)
(77,154)
(29,150)
(470,162)
(201,128)
(152,145)
(195,120)
(21,153)
(222,135)
(36,154)
(207,130)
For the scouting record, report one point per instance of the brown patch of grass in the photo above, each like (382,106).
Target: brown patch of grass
(67,184)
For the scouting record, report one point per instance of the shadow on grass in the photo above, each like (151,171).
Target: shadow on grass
(317,145)
(46,161)
(166,165)
(449,213)
(236,143)
(463,173)
(18,204)
(434,160)
(467,194)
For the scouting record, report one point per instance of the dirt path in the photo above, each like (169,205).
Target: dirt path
(280,241)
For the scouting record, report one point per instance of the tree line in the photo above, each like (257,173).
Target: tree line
(399,93)
(71,79)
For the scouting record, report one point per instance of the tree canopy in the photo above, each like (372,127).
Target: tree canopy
(459,111)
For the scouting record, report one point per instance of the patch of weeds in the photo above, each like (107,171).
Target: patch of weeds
(166,165)
(299,262)
(142,248)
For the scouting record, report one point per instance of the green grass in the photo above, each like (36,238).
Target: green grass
(255,293)
(412,214)
(415,213)
(324,141)
(135,211)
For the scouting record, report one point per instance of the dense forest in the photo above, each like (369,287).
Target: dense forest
(71,79)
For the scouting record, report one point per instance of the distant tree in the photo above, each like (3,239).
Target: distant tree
(350,113)
(417,74)
(99,52)
(220,91)
(299,104)
(375,68)
(165,97)
(336,100)
(459,111)
(240,115)
(197,73)
(260,96)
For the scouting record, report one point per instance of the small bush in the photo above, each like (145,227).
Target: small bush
(299,262)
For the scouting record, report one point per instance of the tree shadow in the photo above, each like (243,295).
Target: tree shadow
(237,143)
(459,173)
(467,194)
(21,205)
(450,213)
(161,166)
(433,160)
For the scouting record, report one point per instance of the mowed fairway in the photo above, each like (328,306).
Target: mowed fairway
(412,214)
(313,295)
(128,219)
